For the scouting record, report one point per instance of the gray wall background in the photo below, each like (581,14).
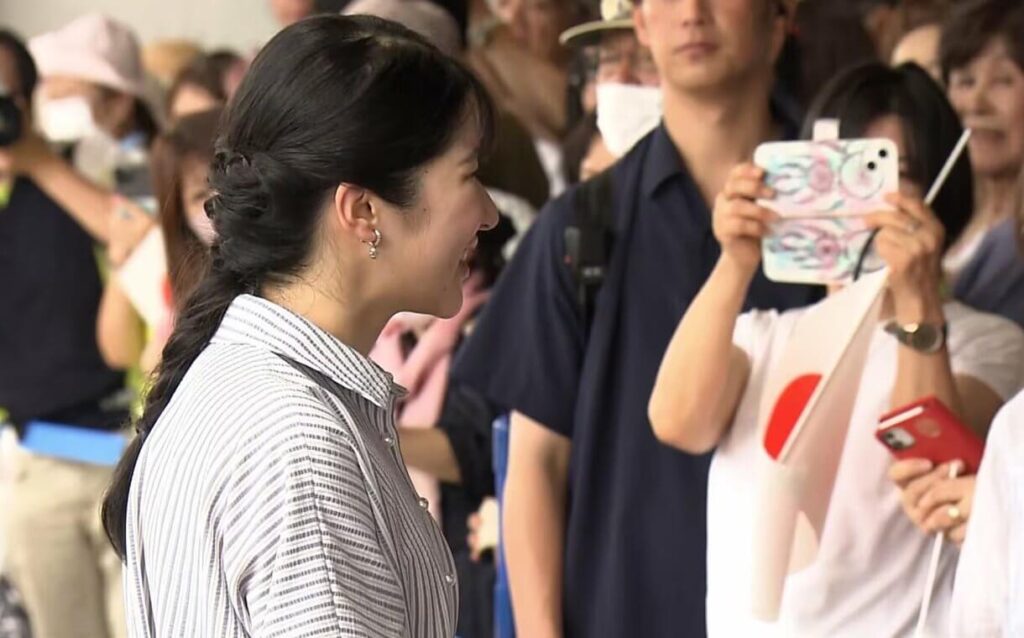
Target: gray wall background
(241,24)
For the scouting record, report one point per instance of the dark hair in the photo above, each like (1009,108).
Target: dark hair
(28,75)
(191,139)
(205,72)
(142,120)
(330,99)
(931,129)
(829,37)
(973,24)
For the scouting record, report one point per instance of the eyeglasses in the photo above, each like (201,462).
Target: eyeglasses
(604,62)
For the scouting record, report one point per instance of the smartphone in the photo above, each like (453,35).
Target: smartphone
(927,429)
(823,190)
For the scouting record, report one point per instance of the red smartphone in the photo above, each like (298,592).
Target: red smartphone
(927,429)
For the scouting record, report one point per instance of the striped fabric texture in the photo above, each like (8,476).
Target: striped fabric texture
(271,498)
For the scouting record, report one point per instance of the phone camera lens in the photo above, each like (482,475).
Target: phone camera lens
(883,153)
(872,166)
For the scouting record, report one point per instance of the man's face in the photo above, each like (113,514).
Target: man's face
(620,58)
(710,45)
(536,24)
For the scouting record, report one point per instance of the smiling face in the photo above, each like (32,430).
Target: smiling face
(429,244)
(988,94)
(701,46)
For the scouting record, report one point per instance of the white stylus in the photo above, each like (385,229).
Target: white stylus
(958,150)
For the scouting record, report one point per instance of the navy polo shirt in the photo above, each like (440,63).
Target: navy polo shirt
(50,289)
(635,532)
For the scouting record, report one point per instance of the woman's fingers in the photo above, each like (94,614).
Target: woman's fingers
(903,472)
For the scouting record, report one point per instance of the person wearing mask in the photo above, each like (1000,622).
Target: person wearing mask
(604,528)
(51,373)
(621,97)
(180,161)
(982,58)
(344,192)
(92,95)
(871,559)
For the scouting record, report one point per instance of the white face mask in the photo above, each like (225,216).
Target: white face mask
(66,119)
(626,113)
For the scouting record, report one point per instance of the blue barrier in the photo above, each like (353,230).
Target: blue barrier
(504,624)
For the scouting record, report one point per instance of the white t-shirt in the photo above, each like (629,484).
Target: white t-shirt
(988,599)
(869,576)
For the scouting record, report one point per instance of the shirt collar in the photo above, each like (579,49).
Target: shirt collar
(254,321)
(663,160)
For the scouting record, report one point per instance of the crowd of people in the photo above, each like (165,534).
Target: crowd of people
(266,311)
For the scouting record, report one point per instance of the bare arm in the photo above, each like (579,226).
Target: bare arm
(430,450)
(119,329)
(703,375)
(534,525)
(87,203)
(914,280)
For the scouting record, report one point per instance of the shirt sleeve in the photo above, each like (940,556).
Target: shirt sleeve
(989,349)
(526,351)
(752,330)
(980,593)
(303,549)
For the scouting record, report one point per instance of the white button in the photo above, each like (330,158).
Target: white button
(389,441)
(448,578)
(424,503)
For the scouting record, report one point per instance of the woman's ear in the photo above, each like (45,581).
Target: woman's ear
(354,211)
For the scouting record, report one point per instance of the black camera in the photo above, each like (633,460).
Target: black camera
(10,119)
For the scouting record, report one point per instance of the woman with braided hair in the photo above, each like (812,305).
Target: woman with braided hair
(265,493)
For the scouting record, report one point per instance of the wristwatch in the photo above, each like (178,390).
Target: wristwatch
(927,338)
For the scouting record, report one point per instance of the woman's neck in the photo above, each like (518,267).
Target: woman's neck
(357,325)
(995,198)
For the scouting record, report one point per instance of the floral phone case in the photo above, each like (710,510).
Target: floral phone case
(823,190)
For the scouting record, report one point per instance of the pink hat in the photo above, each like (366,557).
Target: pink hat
(93,48)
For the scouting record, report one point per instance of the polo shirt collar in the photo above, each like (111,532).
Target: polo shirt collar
(256,322)
(663,160)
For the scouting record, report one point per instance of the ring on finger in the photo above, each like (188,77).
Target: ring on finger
(954,513)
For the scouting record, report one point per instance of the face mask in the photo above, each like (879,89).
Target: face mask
(626,113)
(65,120)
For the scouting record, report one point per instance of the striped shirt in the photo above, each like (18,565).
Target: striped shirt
(271,498)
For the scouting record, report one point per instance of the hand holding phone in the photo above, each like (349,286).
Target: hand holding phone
(928,430)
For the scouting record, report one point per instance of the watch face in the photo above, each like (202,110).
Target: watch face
(925,338)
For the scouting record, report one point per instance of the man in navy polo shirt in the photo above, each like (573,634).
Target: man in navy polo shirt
(604,527)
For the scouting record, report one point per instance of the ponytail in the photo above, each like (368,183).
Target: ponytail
(194,328)
(329,100)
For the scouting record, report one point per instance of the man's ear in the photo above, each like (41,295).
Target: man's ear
(640,25)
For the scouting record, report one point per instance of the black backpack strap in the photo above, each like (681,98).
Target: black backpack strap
(588,240)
